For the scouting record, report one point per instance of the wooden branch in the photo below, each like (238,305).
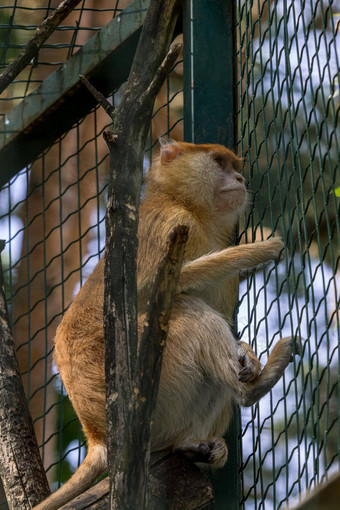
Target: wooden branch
(30,49)
(174,483)
(131,122)
(148,368)
(22,473)
(153,44)
(152,90)
(97,95)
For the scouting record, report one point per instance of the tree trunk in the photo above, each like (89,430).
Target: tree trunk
(131,123)
(22,473)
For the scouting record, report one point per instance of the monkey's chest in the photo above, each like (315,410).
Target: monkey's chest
(221,296)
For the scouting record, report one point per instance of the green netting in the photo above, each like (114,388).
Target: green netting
(52,215)
(18,21)
(288,116)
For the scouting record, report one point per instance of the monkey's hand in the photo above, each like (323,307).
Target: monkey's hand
(275,246)
(250,366)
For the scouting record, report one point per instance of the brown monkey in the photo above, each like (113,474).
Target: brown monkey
(205,370)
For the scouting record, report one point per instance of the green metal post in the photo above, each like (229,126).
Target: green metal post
(209,117)
(209,72)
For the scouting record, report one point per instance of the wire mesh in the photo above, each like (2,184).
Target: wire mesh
(18,22)
(288,113)
(52,215)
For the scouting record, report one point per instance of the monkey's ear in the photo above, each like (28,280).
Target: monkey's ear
(170,150)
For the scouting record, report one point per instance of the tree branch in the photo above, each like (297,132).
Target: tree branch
(30,49)
(174,482)
(22,473)
(149,94)
(149,364)
(163,71)
(97,95)
(131,121)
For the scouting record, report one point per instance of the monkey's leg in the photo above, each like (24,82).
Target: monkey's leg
(211,451)
(250,365)
(281,355)
(198,273)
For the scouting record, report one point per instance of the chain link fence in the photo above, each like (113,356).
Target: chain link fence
(52,216)
(288,89)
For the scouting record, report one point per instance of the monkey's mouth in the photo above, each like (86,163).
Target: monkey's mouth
(239,189)
(230,198)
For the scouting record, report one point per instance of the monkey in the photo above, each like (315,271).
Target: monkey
(205,369)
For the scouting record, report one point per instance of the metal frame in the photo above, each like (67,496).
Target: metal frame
(209,117)
(60,101)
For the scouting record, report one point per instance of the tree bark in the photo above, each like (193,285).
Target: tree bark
(148,368)
(175,484)
(22,473)
(131,122)
(120,302)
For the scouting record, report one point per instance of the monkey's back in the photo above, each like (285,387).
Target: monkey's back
(79,355)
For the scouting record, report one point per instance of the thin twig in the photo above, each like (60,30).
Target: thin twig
(31,48)
(97,95)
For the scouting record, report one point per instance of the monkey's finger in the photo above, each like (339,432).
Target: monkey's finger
(246,374)
(242,359)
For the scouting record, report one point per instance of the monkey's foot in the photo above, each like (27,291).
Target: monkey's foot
(212,451)
(296,349)
(250,365)
(286,348)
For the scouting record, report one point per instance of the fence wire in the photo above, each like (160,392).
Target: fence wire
(18,22)
(288,69)
(52,216)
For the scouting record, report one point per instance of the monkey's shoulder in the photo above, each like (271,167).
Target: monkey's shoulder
(157,221)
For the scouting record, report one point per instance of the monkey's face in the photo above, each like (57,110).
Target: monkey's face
(230,191)
(203,177)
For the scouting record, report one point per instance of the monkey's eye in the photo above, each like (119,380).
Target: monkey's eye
(218,160)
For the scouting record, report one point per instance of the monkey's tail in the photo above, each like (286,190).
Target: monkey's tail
(92,467)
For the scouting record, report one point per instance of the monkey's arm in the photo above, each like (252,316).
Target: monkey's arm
(198,273)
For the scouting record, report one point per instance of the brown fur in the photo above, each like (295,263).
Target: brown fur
(204,369)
